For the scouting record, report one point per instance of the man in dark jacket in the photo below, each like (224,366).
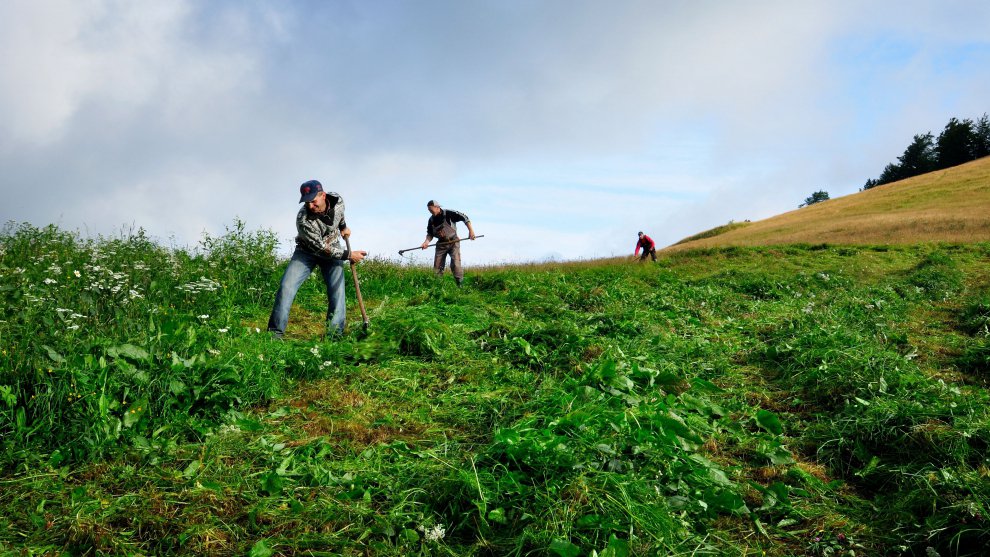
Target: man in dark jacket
(649,248)
(319,225)
(443,226)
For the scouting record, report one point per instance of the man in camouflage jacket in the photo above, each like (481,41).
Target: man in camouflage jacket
(320,225)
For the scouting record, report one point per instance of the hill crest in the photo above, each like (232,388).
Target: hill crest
(949,205)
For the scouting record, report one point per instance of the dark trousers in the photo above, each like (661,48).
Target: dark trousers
(652,252)
(452,249)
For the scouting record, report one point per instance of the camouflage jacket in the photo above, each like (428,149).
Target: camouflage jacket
(319,234)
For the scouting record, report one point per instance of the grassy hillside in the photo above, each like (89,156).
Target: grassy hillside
(738,401)
(951,205)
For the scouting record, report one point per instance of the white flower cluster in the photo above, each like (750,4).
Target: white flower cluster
(435,533)
(70,319)
(107,281)
(202,285)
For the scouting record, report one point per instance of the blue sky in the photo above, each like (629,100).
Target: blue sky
(560,127)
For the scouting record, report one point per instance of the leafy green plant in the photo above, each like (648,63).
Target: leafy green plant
(732,402)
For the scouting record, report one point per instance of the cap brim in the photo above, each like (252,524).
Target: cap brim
(308,198)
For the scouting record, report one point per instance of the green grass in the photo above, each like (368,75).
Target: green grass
(712,232)
(799,400)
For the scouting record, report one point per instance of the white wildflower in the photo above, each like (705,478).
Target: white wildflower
(315,350)
(50,281)
(62,310)
(214,351)
(72,327)
(76,316)
(77,273)
(202,285)
(224,330)
(204,316)
(435,533)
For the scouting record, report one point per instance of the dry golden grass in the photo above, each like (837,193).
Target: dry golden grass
(951,205)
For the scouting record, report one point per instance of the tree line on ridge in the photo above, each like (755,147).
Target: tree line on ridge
(961,141)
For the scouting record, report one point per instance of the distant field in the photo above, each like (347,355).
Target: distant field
(951,205)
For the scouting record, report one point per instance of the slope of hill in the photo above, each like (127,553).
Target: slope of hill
(770,402)
(951,205)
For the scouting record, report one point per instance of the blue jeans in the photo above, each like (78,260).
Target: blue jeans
(296,273)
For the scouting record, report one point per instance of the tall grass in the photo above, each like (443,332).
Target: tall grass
(742,401)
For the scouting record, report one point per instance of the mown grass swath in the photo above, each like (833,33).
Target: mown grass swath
(800,400)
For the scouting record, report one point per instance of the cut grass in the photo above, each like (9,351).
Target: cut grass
(729,401)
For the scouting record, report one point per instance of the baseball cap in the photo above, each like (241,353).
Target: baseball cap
(433,203)
(308,190)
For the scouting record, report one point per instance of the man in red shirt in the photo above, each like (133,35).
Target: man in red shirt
(649,248)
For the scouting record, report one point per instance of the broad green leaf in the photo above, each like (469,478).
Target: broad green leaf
(707,386)
(589,521)
(779,456)
(79,494)
(211,485)
(725,499)
(176,387)
(7,396)
(128,351)
(55,356)
(249,425)
(137,410)
(719,476)
(261,549)
(564,548)
(769,421)
(674,424)
(271,483)
(497,515)
(616,548)
(410,535)
(191,469)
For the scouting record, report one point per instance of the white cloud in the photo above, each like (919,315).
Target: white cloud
(560,126)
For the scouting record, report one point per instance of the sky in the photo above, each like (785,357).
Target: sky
(560,127)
